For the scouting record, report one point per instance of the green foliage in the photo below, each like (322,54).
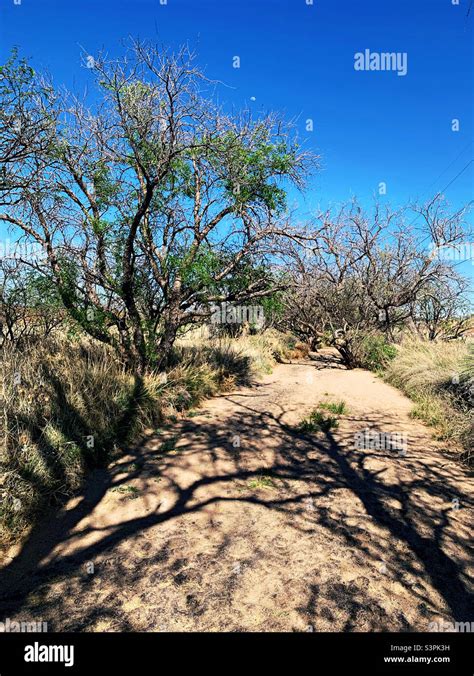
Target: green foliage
(317,421)
(338,407)
(198,269)
(17,69)
(251,167)
(273,306)
(168,445)
(261,482)
(42,291)
(374,352)
(105,187)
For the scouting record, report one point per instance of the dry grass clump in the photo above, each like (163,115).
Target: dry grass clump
(265,350)
(68,406)
(439,377)
(242,357)
(63,406)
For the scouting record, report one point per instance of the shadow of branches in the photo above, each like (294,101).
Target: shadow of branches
(376,530)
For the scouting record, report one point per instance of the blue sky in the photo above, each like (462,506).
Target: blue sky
(369,127)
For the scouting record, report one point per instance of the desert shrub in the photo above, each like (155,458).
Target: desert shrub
(438,377)
(271,348)
(374,352)
(318,421)
(337,407)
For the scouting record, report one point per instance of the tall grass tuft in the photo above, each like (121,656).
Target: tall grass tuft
(439,378)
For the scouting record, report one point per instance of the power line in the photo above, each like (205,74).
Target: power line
(450,164)
(456,177)
(443,190)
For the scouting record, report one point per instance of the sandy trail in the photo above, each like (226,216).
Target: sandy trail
(243,523)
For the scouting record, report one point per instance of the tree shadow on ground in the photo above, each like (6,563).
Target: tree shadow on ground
(406,501)
(75,430)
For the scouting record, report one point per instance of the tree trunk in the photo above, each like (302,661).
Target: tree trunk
(166,344)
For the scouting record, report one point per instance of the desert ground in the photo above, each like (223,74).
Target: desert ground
(232,519)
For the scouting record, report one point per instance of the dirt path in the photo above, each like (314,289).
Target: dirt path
(242,523)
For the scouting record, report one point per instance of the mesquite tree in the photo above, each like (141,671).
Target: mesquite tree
(29,308)
(357,273)
(442,310)
(151,204)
